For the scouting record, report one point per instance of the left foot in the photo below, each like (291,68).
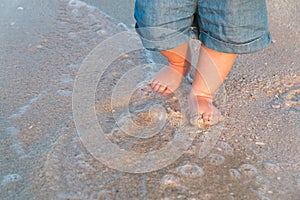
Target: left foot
(202,111)
(212,69)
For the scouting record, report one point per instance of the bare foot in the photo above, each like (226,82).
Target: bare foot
(168,79)
(202,111)
(212,69)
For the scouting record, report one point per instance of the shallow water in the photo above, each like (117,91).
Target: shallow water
(122,12)
(254,154)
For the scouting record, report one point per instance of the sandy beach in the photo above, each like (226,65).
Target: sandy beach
(58,58)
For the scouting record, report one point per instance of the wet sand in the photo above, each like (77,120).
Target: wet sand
(256,155)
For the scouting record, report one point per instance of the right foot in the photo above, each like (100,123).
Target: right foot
(168,79)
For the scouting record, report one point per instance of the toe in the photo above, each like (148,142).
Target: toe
(206,117)
(210,119)
(167,91)
(154,84)
(162,89)
(157,87)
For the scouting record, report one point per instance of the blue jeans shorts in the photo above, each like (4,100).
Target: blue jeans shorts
(230,26)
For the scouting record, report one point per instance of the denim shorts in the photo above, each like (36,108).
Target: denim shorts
(230,26)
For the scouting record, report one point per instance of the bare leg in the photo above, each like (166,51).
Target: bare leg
(212,69)
(168,79)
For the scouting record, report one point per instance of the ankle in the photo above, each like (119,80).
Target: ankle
(201,93)
(203,97)
(183,68)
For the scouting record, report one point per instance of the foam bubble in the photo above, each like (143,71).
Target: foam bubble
(64,92)
(77,4)
(13,131)
(24,109)
(10,178)
(190,171)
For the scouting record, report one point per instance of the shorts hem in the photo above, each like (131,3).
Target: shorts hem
(166,43)
(249,47)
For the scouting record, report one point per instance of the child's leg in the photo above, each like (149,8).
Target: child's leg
(235,27)
(168,79)
(212,69)
(164,25)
